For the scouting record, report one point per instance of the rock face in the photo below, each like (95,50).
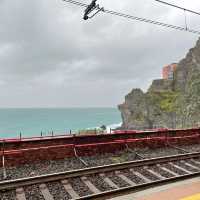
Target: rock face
(167,103)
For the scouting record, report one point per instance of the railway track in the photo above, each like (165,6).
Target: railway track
(104,181)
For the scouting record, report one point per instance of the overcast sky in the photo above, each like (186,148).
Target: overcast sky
(50,57)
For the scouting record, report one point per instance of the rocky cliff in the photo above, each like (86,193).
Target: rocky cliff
(167,103)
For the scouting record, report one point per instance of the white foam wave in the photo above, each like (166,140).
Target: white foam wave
(113,126)
(108,127)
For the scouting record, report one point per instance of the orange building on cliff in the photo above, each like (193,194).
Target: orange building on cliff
(168,71)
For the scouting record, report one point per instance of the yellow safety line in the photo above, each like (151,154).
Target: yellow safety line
(194,197)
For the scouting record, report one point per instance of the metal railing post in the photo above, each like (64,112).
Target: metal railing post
(3,161)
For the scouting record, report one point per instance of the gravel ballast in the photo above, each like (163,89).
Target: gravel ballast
(33,193)
(10,195)
(99,183)
(191,148)
(79,187)
(117,180)
(158,152)
(58,191)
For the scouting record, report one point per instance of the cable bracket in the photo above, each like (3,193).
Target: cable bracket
(90,8)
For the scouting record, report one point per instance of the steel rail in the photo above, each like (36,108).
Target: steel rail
(12,184)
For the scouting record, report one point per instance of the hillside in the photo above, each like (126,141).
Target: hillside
(167,103)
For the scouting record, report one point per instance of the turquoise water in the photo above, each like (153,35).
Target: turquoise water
(30,122)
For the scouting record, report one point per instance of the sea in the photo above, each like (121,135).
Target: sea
(31,122)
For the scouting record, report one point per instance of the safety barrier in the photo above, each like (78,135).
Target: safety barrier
(12,144)
(30,155)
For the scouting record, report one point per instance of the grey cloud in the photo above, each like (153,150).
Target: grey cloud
(49,56)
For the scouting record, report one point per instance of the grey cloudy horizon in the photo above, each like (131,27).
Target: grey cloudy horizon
(50,57)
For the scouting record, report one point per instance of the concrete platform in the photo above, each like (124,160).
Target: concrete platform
(184,190)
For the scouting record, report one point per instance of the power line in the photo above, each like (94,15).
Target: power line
(76,3)
(137,18)
(175,6)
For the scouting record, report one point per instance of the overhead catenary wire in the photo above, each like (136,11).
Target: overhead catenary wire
(179,7)
(76,3)
(127,16)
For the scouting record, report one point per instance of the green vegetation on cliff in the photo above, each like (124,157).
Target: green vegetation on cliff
(164,100)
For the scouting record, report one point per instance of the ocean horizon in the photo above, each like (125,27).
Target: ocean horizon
(30,122)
